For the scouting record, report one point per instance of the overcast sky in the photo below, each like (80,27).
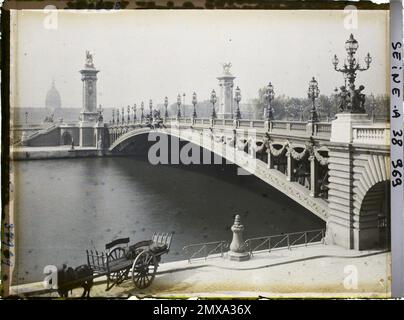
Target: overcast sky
(152,54)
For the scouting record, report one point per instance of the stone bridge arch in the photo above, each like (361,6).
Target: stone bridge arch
(359,187)
(229,149)
(371,191)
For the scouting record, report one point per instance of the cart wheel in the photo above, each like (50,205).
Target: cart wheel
(144,269)
(118,276)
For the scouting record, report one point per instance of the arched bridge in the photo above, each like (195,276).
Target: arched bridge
(338,170)
(342,181)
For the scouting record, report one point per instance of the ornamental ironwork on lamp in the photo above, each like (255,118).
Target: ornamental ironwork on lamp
(179,106)
(213,100)
(151,108)
(351,100)
(312,93)
(237,98)
(165,106)
(142,111)
(269,97)
(134,112)
(183,104)
(194,102)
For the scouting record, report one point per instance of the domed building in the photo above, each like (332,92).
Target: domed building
(53,100)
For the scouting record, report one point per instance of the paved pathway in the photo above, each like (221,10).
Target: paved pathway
(316,271)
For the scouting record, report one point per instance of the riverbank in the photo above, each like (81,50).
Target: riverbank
(59,152)
(315,271)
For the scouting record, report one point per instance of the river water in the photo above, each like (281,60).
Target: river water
(63,207)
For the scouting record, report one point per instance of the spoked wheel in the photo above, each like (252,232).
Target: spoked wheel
(116,276)
(144,269)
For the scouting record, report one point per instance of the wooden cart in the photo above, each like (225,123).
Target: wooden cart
(140,259)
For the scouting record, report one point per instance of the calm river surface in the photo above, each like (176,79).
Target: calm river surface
(63,207)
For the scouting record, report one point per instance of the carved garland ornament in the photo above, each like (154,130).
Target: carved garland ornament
(277,152)
(322,160)
(297,155)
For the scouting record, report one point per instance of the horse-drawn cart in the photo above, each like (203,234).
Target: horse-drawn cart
(141,258)
(119,258)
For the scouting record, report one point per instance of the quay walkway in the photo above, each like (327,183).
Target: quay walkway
(316,271)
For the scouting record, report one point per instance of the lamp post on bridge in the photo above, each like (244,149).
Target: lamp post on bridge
(183,104)
(113,116)
(179,106)
(151,109)
(117,116)
(352,100)
(194,102)
(26,117)
(134,112)
(142,110)
(213,100)
(237,98)
(269,96)
(123,115)
(313,93)
(165,106)
(128,114)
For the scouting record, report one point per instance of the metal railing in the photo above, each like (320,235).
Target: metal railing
(204,250)
(288,240)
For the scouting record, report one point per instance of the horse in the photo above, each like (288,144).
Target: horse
(69,279)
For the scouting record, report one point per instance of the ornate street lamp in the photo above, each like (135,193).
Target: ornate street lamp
(142,110)
(128,114)
(179,106)
(237,98)
(113,116)
(194,102)
(151,108)
(269,97)
(351,100)
(165,106)
(134,112)
(123,115)
(26,117)
(213,100)
(117,115)
(313,93)
(183,104)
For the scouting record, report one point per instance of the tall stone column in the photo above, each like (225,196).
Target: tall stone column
(226,93)
(89,114)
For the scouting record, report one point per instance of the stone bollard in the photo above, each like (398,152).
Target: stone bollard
(237,247)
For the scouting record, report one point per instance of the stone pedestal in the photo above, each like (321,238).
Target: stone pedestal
(87,134)
(342,127)
(237,247)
